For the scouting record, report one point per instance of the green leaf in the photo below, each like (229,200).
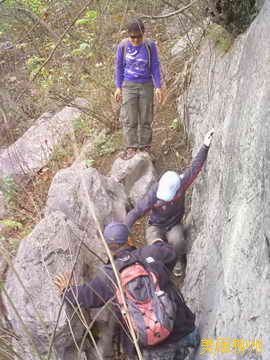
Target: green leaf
(82,49)
(89,162)
(91,15)
(84,46)
(175,124)
(82,21)
(11,224)
(76,52)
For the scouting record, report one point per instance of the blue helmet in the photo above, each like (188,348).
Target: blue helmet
(116,233)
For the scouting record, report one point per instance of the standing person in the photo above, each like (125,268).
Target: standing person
(166,203)
(137,74)
(158,261)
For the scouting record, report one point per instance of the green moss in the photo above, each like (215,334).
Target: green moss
(235,16)
(221,37)
(11,224)
(9,188)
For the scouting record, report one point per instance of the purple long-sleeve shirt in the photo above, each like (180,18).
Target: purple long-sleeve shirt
(135,67)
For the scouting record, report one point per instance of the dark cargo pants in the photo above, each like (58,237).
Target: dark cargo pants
(137,113)
(185,347)
(175,236)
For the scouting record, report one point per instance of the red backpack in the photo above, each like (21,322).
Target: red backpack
(151,310)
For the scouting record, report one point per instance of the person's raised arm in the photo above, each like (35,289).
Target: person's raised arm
(142,207)
(191,172)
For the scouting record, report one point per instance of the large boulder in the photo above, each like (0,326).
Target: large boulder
(49,250)
(137,175)
(35,148)
(81,192)
(66,238)
(228,273)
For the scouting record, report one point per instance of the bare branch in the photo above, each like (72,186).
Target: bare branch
(170,14)
(94,253)
(8,259)
(38,20)
(169,4)
(24,326)
(62,303)
(61,39)
(112,262)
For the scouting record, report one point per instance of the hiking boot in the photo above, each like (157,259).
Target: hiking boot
(128,153)
(179,269)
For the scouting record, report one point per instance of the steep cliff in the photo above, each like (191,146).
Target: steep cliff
(227,280)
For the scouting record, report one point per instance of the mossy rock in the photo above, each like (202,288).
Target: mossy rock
(235,16)
(220,36)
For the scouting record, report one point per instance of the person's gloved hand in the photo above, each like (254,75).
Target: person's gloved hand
(63,281)
(208,137)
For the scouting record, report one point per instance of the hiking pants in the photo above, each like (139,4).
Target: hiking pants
(175,351)
(107,328)
(174,236)
(137,113)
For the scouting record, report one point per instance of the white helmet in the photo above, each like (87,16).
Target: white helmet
(168,185)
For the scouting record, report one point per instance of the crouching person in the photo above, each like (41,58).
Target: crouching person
(163,323)
(165,203)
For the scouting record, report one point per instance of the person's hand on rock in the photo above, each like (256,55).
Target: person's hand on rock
(208,138)
(63,281)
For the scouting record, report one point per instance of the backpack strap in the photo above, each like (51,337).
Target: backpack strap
(123,45)
(148,45)
(122,263)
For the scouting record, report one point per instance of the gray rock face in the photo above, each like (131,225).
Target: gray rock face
(89,148)
(136,174)
(6,45)
(188,42)
(35,148)
(77,192)
(52,248)
(49,250)
(228,273)
(235,16)
(3,212)
(2,205)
